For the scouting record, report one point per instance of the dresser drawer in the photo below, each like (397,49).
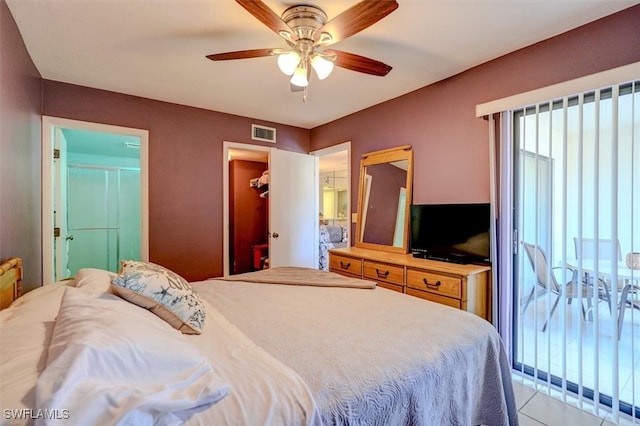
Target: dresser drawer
(393,274)
(345,264)
(434,283)
(389,286)
(454,303)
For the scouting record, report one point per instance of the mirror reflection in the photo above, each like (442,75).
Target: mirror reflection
(384,199)
(384,206)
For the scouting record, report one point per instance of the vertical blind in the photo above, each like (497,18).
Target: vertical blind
(576,199)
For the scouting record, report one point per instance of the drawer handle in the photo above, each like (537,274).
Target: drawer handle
(433,286)
(382,274)
(345,266)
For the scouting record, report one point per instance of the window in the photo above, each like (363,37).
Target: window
(577,215)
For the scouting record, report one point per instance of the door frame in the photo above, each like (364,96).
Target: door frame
(48,180)
(226,146)
(344,146)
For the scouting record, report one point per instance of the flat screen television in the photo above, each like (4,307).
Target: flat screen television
(451,232)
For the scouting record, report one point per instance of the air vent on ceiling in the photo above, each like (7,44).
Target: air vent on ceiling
(263,133)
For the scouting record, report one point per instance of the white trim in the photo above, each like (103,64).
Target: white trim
(226,146)
(594,81)
(493,247)
(344,146)
(333,148)
(48,124)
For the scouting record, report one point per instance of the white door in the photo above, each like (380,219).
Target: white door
(293,209)
(61,237)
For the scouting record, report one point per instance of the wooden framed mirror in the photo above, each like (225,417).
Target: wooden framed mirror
(384,200)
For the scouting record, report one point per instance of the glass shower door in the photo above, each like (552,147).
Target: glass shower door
(97,214)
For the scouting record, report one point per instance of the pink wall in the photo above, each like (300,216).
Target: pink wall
(185,167)
(450,145)
(20,130)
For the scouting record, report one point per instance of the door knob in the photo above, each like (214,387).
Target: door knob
(275,235)
(69,237)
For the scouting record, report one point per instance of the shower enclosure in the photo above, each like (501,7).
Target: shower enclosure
(103,216)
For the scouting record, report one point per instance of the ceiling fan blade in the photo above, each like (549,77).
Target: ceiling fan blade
(241,54)
(355,19)
(268,17)
(359,63)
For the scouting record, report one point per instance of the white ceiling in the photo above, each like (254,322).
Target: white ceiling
(156,49)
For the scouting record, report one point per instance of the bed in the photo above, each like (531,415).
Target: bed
(10,281)
(280,346)
(331,236)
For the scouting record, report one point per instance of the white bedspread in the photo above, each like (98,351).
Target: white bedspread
(262,389)
(305,354)
(25,332)
(376,356)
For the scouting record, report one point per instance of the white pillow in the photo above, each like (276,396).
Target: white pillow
(111,362)
(163,292)
(94,279)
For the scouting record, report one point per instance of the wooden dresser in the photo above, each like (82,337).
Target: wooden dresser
(466,287)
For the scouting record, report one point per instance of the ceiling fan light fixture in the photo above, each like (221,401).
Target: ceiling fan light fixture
(308,31)
(325,38)
(288,62)
(299,77)
(322,66)
(285,35)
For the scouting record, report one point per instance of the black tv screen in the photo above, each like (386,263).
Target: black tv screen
(451,232)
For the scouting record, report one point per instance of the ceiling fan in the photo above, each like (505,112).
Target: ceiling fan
(308,33)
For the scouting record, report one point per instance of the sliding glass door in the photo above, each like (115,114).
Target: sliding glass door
(577,216)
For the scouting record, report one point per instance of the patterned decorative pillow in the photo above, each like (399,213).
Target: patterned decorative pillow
(345,233)
(163,292)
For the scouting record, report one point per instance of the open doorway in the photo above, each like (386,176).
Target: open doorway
(292,200)
(248,210)
(94,196)
(245,208)
(334,199)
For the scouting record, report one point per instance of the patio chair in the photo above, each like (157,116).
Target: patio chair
(548,281)
(628,300)
(628,291)
(588,248)
(585,248)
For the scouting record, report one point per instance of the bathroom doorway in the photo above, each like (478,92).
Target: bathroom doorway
(94,197)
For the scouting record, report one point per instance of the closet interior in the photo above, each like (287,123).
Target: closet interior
(248,215)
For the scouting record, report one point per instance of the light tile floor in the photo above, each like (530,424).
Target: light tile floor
(584,346)
(536,408)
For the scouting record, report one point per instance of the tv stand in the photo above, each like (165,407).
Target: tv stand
(462,286)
